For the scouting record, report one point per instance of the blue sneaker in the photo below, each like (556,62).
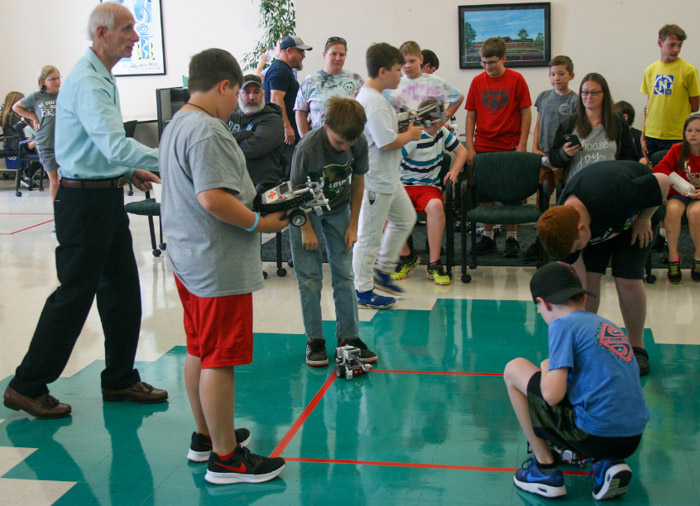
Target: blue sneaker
(610,478)
(373,301)
(384,282)
(544,482)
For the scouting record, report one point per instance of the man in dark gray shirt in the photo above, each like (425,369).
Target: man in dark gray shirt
(259,130)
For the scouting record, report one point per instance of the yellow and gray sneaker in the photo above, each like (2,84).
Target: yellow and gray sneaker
(437,274)
(695,272)
(405,265)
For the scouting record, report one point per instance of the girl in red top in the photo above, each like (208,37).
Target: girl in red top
(682,164)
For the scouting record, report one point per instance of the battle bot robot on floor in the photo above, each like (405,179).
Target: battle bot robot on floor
(348,363)
(298,201)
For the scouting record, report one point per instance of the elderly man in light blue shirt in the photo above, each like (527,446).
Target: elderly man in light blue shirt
(95,255)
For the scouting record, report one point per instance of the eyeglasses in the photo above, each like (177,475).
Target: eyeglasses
(298,50)
(593,93)
(336,40)
(54,79)
(489,63)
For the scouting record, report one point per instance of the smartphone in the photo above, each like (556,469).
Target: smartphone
(573,139)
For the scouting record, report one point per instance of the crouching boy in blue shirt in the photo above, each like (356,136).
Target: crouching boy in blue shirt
(585,397)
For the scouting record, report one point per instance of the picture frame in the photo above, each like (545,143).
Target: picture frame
(148,56)
(524,26)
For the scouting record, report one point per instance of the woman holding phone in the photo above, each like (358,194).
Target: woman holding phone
(593,133)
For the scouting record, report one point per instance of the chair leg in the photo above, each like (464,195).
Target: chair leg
(466,277)
(449,225)
(281,271)
(41,178)
(151,227)
(18,178)
(650,277)
(162,244)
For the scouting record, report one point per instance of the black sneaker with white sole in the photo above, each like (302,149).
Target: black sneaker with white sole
(200,448)
(242,467)
(366,355)
(316,355)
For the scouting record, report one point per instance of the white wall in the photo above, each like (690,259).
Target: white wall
(58,36)
(616,38)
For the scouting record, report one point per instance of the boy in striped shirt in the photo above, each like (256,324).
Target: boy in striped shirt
(420,174)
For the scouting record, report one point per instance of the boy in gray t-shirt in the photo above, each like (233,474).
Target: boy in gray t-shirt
(214,251)
(552,107)
(337,155)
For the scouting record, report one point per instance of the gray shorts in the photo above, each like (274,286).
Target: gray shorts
(48,159)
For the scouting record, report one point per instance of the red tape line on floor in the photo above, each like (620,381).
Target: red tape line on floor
(417,465)
(304,415)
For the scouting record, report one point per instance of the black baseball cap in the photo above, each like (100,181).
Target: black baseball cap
(556,282)
(251,79)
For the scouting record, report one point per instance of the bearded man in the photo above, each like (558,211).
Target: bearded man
(259,130)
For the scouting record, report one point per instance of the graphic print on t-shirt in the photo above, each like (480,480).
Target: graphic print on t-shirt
(494,99)
(663,85)
(336,177)
(616,341)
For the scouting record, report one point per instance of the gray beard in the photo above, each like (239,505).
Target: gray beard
(249,111)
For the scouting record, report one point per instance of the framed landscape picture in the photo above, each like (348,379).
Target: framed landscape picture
(524,27)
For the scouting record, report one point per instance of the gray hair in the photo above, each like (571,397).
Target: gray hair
(103,15)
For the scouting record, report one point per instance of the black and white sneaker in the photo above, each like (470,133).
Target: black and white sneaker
(366,355)
(316,355)
(200,448)
(242,467)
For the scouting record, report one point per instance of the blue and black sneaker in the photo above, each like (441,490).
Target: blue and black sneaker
(383,281)
(374,301)
(610,478)
(545,482)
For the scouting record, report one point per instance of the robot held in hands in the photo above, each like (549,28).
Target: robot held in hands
(297,201)
(425,116)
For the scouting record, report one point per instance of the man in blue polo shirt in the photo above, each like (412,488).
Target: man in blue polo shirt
(281,87)
(94,255)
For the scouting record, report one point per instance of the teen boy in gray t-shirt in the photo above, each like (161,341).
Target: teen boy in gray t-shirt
(337,155)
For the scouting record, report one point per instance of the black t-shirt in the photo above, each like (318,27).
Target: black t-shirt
(279,76)
(614,192)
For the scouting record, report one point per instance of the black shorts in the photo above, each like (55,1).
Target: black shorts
(556,424)
(627,260)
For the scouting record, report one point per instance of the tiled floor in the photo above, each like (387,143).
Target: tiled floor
(431,425)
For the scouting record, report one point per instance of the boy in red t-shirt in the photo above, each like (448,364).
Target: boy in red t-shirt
(498,108)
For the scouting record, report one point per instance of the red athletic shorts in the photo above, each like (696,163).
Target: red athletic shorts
(421,195)
(219,329)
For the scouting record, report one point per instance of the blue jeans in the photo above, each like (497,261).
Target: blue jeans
(308,265)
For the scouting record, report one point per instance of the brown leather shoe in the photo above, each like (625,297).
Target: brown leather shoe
(44,406)
(140,392)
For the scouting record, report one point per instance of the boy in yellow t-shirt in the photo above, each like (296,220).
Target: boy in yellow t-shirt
(673,90)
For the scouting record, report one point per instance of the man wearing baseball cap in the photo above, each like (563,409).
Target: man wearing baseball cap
(281,86)
(259,131)
(586,397)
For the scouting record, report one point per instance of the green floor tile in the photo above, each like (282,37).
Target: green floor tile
(122,453)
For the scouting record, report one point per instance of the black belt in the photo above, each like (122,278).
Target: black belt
(94,184)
